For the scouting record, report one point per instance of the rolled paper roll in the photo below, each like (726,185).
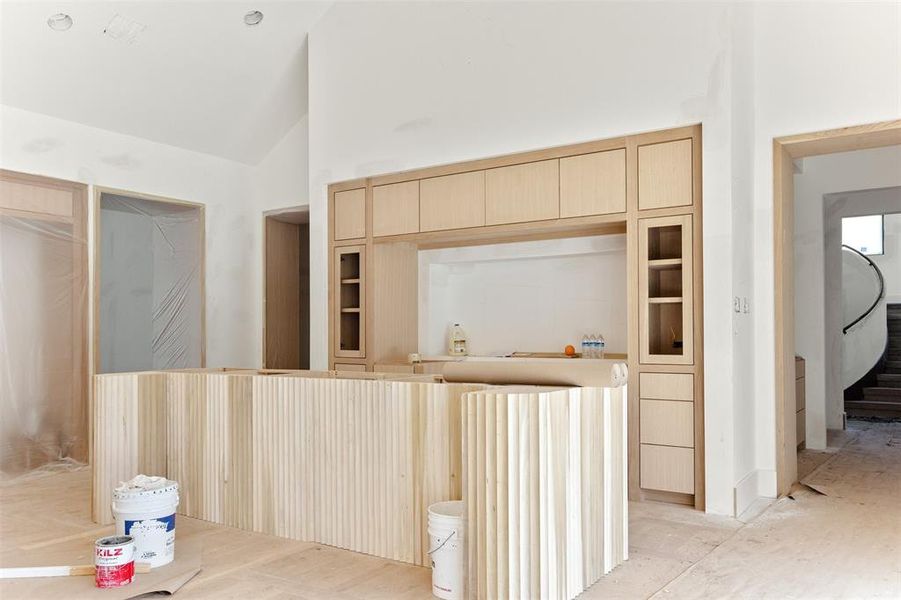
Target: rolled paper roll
(539,371)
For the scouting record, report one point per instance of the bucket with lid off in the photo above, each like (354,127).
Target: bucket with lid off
(446,549)
(144,508)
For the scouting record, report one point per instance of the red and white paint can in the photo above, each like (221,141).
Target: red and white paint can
(114,561)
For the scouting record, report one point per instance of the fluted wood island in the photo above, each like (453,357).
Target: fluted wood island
(353,460)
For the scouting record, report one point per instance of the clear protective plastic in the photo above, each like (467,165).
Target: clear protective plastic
(151,268)
(43,350)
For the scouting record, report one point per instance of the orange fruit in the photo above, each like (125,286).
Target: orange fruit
(569,350)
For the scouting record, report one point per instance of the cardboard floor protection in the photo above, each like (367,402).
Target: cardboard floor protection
(163,579)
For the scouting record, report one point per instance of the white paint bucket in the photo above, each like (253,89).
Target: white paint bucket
(446,549)
(144,508)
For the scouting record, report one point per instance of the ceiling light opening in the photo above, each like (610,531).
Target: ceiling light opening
(60,22)
(254,17)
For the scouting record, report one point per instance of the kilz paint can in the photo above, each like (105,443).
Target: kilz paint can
(114,561)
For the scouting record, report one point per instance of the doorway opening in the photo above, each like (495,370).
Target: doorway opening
(286,289)
(149,283)
(786,150)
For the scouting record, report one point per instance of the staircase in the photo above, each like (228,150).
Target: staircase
(884,400)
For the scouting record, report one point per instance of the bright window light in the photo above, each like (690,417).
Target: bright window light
(864,234)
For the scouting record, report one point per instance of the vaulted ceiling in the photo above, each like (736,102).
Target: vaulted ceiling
(190,74)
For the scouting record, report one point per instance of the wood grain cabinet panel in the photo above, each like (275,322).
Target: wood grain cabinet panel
(593,184)
(666,386)
(350,214)
(664,175)
(520,193)
(667,423)
(452,201)
(395,208)
(668,469)
(350,367)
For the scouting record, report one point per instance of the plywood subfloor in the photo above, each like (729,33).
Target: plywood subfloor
(846,544)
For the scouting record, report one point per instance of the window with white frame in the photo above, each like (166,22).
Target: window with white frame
(864,234)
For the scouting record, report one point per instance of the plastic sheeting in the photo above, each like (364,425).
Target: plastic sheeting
(43,367)
(151,290)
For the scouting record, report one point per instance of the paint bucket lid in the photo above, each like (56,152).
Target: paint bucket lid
(143,486)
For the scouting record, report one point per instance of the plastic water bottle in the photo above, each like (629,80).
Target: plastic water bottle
(592,346)
(601,346)
(586,346)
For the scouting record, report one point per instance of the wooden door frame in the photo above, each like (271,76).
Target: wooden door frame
(97,193)
(267,214)
(785,151)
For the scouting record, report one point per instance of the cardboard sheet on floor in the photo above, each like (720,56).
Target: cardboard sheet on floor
(168,579)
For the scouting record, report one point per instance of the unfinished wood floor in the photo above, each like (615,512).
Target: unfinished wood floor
(844,544)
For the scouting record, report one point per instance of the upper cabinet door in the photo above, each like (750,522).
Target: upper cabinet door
(664,175)
(593,184)
(519,193)
(350,214)
(452,201)
(395,208)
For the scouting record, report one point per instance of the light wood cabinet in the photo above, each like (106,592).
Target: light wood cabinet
(350,302)
(593,184)
(350,214)
(667,386)
(667,423)
(800,402)
(356,367)
(665,175)
(520,193)
(667,469)
(665,290)
(452,201)
(395,208)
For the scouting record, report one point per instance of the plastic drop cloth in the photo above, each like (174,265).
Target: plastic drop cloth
(150,285)
(43,362)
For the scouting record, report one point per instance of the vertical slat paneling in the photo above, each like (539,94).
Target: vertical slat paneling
(350,463)
(545,484)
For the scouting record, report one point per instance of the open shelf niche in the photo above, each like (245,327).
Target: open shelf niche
(349,297)
(666,288)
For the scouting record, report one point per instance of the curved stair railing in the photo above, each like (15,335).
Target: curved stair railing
(879,296)
(865,335)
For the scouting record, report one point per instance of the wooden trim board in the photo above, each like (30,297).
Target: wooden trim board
(98,192)
(785,149)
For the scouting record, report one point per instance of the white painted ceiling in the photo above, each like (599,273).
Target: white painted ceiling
(195,77)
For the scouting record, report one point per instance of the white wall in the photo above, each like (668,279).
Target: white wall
(34,143)
(814,332)
(404,85)
(818,65)
(528,296)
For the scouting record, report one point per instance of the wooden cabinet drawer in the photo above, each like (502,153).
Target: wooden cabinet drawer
(452,201)
(668,469)
(350,214)
(520,193)
(665,175)
(349,367)
(667,423)
(666,386)
(395,208)
(593,184)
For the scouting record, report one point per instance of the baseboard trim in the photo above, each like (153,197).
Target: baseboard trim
(759,483)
